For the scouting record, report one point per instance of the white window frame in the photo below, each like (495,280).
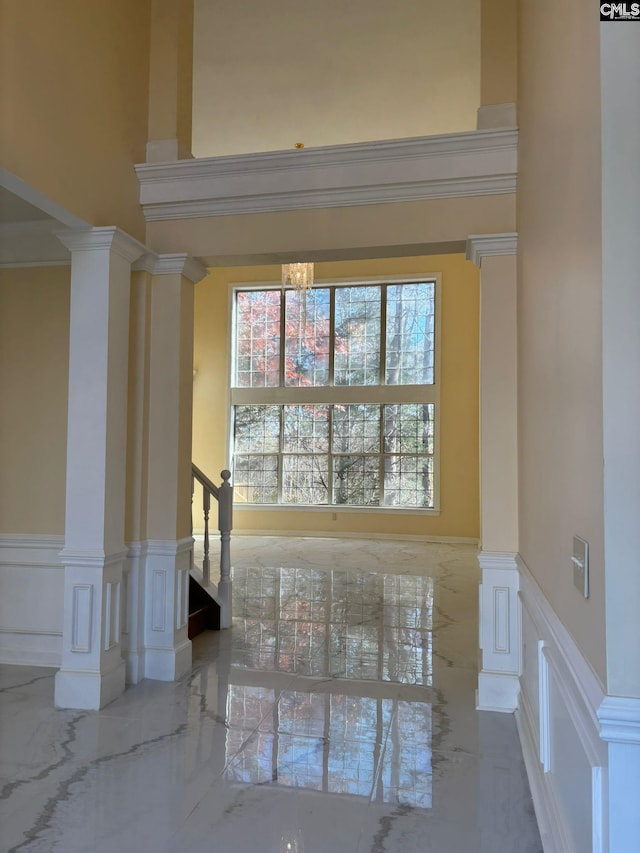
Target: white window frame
(341,394)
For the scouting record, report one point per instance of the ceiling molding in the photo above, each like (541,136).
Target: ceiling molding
(35,198)
(480,246)
(463,164)
(32,244)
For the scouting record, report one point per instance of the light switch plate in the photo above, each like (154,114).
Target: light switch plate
(580,561)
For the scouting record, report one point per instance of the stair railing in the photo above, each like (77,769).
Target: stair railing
(223,494)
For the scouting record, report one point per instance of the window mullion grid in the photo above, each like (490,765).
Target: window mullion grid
(332,334)
(383,334)
(283,327)
(381,459)
(330,455)
(281,455)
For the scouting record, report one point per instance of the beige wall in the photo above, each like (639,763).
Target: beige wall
(499,52)
(401,227)
(459,397)
(559,310)
(74,80)
(34,369)
(269,75)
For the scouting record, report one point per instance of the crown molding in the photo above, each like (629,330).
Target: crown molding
(99,239)
(619,718)
(171,264)
(180,264)
(480,246)
(474,163)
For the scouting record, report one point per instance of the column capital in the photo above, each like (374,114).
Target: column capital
(480,246)
(178,263)
(99,239)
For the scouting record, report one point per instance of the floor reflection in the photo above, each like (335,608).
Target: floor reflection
(344,624)
(357,629)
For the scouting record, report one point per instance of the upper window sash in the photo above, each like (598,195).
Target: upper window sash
(351,335)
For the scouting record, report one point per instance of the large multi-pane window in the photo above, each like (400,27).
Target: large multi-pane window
(334,395)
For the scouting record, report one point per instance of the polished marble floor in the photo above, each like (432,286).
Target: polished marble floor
(336,715)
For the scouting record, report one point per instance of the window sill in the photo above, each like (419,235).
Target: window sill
(326,508)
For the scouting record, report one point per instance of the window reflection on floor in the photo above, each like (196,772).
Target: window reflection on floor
(346,624)
(359,628)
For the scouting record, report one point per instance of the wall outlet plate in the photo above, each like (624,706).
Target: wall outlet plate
(580,562)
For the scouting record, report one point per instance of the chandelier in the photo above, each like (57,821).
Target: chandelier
(299,276)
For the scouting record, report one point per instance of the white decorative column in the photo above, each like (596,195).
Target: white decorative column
(498,682)
(619,713)
(93,672)
(169,546)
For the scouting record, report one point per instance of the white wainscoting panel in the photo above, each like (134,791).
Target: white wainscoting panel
(559,730)
(167,649)
(499,621)
(32,600)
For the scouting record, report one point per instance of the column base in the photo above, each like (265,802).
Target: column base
(134,663)
(497,692)
(86,690)
(167,664)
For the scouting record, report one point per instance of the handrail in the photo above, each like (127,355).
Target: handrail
(223,494)
(202,478)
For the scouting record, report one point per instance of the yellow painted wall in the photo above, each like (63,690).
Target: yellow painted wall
(268,75)
(34,369)
(459,398)
(560,310)
(74,82)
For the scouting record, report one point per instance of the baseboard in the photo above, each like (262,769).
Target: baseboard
(31,604)
(557,720)
(324,534)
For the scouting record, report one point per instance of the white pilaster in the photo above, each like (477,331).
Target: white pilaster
(92,672)
(498,684)
(619,713)
(168,557)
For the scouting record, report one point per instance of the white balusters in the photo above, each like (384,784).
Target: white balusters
(224,495)
(225,519)
(206,507)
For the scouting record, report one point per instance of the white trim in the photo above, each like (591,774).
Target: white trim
(32,636)
(587,682)
(568,696)
(168,547)
(331,394)
(11,265)
(99,239)
(499,625)
(179,263)
(337,508)
(480,162)
(619,718)
(480,246)
(322,534)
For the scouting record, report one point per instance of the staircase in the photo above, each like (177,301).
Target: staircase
(210,602)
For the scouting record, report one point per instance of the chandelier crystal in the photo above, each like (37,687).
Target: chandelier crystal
(299,276)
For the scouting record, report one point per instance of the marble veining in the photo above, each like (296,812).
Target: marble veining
(337,714)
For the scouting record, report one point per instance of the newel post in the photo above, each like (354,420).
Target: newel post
(225,524)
